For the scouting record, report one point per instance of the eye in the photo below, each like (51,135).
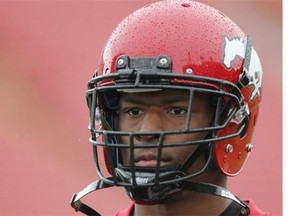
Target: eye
(177,111)
(134,111)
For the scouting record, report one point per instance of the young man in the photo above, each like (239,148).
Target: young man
(173,106)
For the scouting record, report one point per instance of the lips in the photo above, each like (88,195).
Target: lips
(150,160)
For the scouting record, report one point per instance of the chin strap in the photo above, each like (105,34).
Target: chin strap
(218,191)
(188,185)
(76,199)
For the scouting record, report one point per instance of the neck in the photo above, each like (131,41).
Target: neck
(188,204)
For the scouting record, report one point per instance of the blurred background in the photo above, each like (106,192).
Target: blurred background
(48,52)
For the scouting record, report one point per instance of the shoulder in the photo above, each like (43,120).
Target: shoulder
(255,211)
(126,212)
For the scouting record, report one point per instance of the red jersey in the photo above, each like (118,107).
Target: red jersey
(254,211)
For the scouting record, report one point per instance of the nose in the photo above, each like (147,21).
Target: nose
(152,122)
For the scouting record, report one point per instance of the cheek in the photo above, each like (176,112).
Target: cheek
(124,152)
(180,153)
(201,119)
(121,123)
(125,156)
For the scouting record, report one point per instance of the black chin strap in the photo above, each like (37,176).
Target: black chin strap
(76,199)
(193,186)
(217,191)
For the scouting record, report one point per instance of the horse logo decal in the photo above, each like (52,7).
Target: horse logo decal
(237,47)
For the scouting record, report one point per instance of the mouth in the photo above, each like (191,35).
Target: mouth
(150,160)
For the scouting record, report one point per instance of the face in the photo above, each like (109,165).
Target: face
(165,110)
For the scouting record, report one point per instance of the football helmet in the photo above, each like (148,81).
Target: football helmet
(184,45)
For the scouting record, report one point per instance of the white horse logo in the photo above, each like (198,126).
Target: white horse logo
(237,47)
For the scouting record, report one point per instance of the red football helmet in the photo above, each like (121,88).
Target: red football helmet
(176,44)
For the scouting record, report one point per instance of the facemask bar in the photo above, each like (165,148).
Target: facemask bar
(218,88)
